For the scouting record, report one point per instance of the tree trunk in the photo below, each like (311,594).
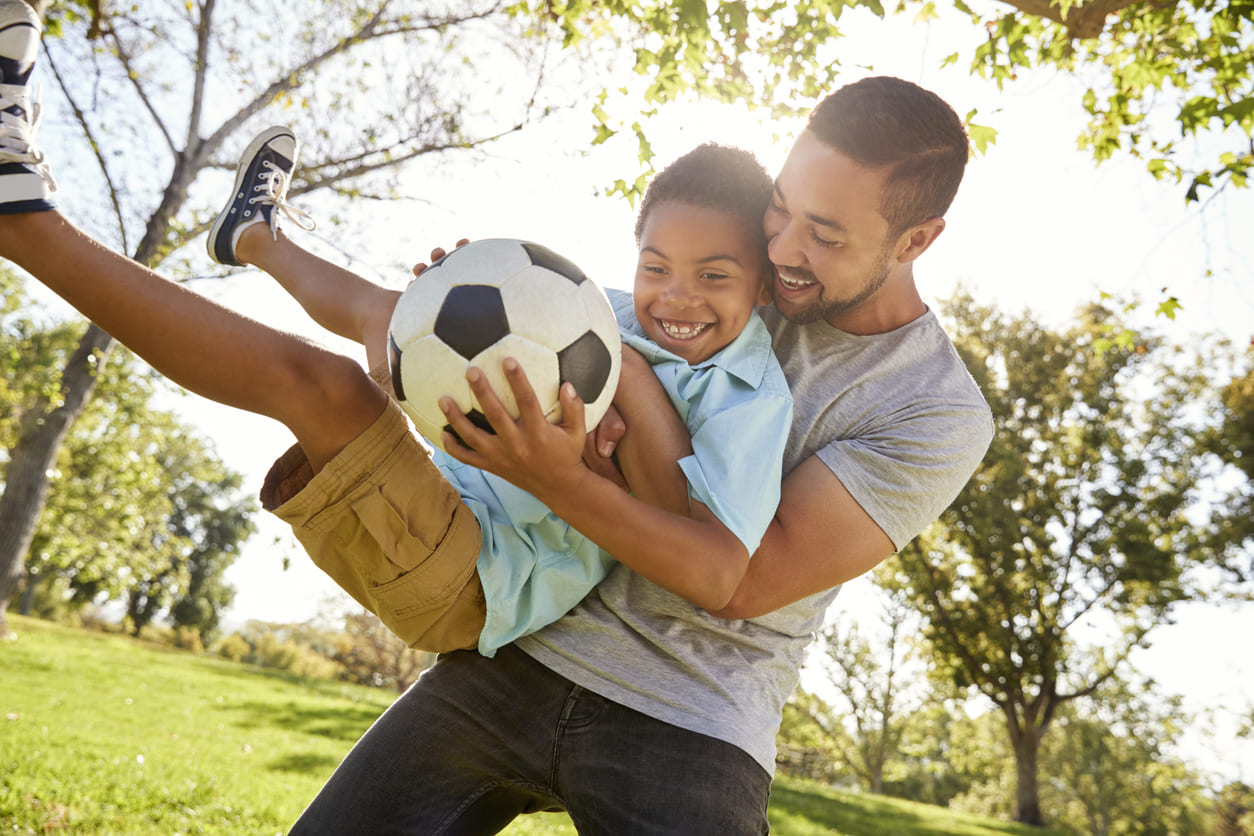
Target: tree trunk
(1027,791)
(26,482)
(28,594)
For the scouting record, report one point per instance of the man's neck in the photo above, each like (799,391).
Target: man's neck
(895,304)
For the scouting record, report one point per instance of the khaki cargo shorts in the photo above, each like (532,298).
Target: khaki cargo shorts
(383,522)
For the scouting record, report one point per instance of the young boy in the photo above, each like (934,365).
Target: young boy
(699,277)
(448,557)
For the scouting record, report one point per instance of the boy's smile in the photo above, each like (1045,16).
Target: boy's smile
(698,279)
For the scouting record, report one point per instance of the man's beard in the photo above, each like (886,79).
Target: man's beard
(823,308)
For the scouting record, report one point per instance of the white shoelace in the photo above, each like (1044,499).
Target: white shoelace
(274,193)
(17,134)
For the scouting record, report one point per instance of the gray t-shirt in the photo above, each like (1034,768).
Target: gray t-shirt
(899,421)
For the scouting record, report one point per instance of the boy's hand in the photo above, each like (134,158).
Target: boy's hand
(544,459)
(437,254)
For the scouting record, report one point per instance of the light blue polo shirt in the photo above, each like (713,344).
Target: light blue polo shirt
(534,567)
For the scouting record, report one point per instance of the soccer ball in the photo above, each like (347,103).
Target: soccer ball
(498,298)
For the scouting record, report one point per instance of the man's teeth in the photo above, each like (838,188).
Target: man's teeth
(793,283)
(683,330)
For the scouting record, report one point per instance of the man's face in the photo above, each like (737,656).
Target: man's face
(828,241)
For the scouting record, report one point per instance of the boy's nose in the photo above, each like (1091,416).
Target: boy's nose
(682,291)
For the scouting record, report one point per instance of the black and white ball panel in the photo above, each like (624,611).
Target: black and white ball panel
(494,299)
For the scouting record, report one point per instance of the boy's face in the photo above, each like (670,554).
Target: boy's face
(828,241)
(698,279)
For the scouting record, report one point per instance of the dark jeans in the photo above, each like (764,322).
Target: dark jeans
(476,742)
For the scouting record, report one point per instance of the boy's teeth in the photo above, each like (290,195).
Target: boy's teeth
(683,330)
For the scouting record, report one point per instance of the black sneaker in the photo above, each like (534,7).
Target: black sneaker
(261,181)
(26,181)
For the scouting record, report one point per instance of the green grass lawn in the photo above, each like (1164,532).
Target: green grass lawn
(100,734)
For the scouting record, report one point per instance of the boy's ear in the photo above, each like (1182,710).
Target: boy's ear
(916,240)
(764,286)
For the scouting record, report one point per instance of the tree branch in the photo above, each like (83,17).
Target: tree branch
(134,76)
(1082,21)
(291,79)
(95,148)
(204,29)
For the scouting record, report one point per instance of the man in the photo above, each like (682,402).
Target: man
(637,712)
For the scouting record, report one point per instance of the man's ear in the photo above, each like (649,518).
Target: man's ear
(915,241)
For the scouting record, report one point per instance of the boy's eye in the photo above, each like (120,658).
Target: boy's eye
(713,276)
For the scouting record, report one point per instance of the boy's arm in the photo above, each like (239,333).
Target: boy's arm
(546,460)
(649,455)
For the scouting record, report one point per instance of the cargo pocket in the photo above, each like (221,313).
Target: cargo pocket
(419,582)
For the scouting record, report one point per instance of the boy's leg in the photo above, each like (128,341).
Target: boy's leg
(339,300)
(325,399)
(247,232)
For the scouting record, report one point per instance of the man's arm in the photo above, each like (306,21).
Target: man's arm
(820,536)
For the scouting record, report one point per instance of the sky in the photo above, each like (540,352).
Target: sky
(1036,226)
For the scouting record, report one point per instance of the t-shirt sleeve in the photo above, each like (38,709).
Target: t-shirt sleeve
(907,471)
(737,464)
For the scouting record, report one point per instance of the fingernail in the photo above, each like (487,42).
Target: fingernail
(510,364)
(607,449)
(472,374)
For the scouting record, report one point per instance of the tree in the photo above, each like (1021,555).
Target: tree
(1157,73)
(372,655)
(1076,536)
(128,480)
(1111,761)
(1232,522)
(208,523)
(1235,810)
(140,508)
(1112,769)
(196,80)
(877,702)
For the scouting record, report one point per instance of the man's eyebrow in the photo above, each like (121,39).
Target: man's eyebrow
(820,220)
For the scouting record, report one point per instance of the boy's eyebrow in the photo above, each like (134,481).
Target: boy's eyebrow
(708,259)
(812,217)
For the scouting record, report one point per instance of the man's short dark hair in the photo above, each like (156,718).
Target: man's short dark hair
(717,177)
(885,122)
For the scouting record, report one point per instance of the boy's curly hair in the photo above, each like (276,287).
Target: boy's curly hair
(716,177)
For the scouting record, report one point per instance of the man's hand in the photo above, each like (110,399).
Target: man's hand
(599,446)
(437,254)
